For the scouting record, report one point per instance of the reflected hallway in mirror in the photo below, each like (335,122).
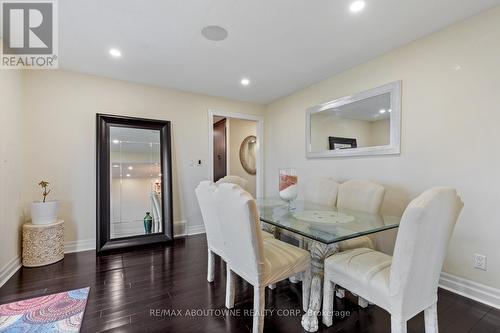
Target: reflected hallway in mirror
(135,182)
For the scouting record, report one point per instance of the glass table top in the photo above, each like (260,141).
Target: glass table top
(322,223)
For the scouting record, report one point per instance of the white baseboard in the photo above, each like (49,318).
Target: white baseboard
(9,269)
(180,229)
(183,230)
(79,245)
(195,230)
(470,289)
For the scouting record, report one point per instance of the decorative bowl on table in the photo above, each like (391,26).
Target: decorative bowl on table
(323,220)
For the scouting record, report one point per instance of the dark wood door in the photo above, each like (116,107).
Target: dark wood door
(220,150)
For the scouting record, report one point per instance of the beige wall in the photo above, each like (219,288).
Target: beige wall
(238,130)
(450,133)
(380,131)
(323,126)
(12,165)
(60,136)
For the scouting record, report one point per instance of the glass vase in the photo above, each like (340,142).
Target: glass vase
(148,223)
(288,185)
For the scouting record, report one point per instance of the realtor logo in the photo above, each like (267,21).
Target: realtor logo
(29,34)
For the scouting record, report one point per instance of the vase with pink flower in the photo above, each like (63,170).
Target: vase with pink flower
(288,185)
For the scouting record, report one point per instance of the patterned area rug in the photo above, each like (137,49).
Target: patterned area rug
(62,312)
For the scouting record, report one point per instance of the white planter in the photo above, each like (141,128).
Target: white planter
(44,212)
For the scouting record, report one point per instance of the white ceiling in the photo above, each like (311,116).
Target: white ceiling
(281,45)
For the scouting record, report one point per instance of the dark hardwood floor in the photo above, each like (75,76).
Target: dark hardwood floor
(133,292)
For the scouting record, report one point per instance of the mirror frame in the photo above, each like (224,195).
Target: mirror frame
(104,242)
(394,146)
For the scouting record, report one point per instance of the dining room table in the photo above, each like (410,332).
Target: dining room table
(321,228)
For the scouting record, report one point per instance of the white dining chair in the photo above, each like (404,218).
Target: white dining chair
(205,195)
(361,195)
(322,191)
(156,210)
(258,262)
(405,284)
(364,196)
(243,183)
(231,179)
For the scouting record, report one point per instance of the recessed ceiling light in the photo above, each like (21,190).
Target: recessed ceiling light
(115,53)
(128,174)
(116,142)
(116,166)
(357,6)
(381,111)
(214,33)
(390,110)
(131,168)
(245,82)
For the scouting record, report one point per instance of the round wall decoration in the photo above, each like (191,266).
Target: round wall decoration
(248,154)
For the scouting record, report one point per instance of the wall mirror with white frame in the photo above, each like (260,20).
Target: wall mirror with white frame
(366,123)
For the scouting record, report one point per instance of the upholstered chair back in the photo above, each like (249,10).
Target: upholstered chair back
(239,217)
(205,194)
(361,195)
(322,191)
(421,244)
(234,180)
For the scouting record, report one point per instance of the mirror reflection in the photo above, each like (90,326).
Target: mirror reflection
(135,182)
(363,123)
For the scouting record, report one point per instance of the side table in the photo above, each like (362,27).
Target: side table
(43,244)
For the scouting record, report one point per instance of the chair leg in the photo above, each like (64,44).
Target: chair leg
(398,325)
(340,292)
(294,279)
(362,302)
(328,292)
(431,319)
(306,288)
(230,288)
(301,243)
(211,266)
(259,305)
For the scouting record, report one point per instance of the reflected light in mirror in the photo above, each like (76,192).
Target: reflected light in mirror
(363,123)
(357,6)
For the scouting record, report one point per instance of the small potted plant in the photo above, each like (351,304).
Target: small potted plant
(44,212)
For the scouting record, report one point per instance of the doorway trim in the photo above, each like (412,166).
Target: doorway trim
(260,139)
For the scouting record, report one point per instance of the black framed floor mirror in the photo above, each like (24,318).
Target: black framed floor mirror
(134,182)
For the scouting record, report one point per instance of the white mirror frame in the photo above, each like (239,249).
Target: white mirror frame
(394,147)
